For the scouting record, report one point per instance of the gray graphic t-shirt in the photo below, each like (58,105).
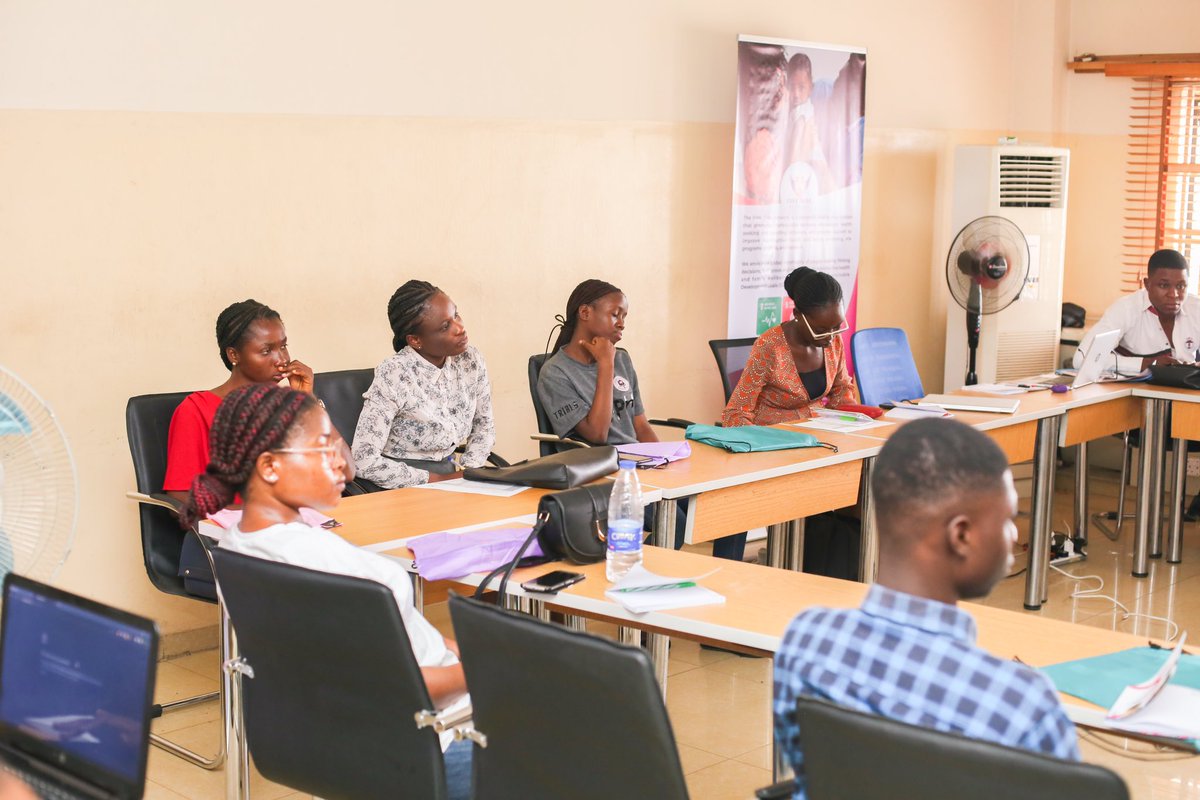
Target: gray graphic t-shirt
(566,388)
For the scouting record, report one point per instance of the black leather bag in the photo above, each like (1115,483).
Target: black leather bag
(564,470)
(1182,376)
(570,525)
(575,524)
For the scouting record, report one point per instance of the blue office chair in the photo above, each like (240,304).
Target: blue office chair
(883,366)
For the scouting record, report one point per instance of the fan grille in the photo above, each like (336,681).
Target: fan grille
(38,498)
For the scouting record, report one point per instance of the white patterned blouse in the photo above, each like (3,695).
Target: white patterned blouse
(418,411)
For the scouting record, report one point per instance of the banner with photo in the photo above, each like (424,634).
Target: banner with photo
(797,175)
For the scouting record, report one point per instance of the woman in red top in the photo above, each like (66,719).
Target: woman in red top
(798,364)
(253,344)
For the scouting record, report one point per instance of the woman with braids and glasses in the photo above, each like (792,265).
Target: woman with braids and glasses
(799,364)
(278,449)
(590,391)
(427,399)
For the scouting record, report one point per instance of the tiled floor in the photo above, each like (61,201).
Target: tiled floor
(719,703)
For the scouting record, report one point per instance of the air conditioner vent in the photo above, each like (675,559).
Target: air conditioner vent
(1028,181)
(1024,354)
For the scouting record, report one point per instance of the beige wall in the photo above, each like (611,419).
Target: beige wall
(158,161)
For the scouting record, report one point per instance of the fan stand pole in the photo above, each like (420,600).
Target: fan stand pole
(974,322)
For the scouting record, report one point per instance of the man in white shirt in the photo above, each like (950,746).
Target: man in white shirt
(1159,324)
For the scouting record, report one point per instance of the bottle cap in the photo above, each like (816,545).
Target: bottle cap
(623,464)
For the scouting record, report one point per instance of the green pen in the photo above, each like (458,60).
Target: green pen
(680,585)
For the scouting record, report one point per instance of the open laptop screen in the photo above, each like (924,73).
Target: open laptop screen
(77,677)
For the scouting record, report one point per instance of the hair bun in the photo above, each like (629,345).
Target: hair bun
(794,277)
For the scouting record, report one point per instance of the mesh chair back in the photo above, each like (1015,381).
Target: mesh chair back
(883,366)
(731,356)
(330,708)
(342,392)
(147,421)
(566,714)
(851,754)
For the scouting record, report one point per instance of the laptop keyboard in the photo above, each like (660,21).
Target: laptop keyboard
(41,787)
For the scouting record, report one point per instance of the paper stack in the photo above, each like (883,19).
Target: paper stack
(641,591)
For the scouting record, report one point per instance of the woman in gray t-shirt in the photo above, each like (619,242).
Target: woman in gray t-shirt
(590,390)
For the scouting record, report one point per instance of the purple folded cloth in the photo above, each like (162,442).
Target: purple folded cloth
(438,556)
(658,452)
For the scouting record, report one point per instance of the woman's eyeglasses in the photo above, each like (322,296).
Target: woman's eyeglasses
(327,452)
(827,335)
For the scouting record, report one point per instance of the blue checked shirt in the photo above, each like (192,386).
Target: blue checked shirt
(914,660)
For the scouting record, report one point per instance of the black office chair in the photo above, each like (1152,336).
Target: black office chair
(549,441)
(850,754)
(147,420)
(731,356)
(330,707)
(565,714)
(342,392)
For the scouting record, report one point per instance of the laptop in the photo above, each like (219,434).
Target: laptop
(1092,370)
(76,693)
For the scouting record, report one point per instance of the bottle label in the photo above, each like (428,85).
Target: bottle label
(624,535)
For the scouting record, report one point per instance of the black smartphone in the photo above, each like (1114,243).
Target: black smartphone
(553,581)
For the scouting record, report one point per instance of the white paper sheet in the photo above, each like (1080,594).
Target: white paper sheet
(641,591)
(476,487)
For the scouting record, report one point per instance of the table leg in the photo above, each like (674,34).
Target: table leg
(777,536)
(1045,451)
(1149,498)
(663,534)
(1178,487)
(795,546)
(657,646)
(1081,496)
(868,549)
(418,587)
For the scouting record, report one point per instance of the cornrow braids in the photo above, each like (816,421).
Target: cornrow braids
(584,294)
(234,323)
(811,290)
(250,421)
(408,304)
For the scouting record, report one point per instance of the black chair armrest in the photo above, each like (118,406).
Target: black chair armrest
(496,460)
(672,422)
(776,791)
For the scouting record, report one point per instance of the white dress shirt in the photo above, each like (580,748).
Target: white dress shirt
(1142,332)
(316,548)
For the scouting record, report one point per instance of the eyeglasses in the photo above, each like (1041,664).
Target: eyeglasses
(827,335)
(327,452)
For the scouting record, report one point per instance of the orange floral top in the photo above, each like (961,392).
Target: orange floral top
(771,391)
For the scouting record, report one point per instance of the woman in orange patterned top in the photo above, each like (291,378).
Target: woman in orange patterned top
(798,364)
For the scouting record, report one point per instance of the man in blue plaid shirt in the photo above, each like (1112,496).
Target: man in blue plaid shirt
(944,504)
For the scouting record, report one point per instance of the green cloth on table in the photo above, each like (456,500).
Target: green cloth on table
(1101,679)
(751,438)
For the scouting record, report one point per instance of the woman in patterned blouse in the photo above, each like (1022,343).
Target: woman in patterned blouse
(428,398)
(798,364)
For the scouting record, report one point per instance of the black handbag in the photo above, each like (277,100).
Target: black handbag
(564,470)
(1182,376)
(570,525)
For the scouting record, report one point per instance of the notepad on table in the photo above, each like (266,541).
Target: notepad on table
(954,402)
(641,591)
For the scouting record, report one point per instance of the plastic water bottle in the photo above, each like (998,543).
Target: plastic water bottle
(624,523)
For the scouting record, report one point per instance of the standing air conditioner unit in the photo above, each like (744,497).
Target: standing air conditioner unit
(1027,185)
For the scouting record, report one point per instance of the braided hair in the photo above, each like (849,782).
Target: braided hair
(233,324)
(408,304)
(250,421)
(585,294)
(811,290)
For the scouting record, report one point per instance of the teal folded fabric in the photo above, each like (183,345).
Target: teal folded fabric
(751,438)
(1101,679)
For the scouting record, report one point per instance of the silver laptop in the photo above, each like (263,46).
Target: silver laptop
(1092,370)
(76,693)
